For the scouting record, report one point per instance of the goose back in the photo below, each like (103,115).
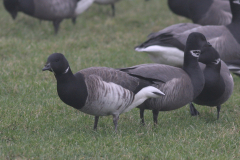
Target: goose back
(177,83)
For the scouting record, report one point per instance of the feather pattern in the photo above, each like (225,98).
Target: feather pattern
(105,98)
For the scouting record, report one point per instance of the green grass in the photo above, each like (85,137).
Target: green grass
(36,124)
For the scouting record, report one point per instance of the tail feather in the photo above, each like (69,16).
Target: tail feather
(82,6)
(144,94)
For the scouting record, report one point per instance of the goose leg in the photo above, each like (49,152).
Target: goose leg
(56,25)
(218,111)
(74,20)
(142,115)
(193,110)
(155,116)
(96,122)
(113,10)
(115,121)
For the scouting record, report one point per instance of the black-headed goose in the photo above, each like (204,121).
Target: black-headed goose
(99,91)
(204,12)
(218,81)
(50,10)
(108,2)
(181,86)
(167,45)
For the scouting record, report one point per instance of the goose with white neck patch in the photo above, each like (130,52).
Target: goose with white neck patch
(167,45)
(99,91)
(181,86)
(218,81)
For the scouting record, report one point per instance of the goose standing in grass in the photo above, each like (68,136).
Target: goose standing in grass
(234,66)
(167,45)
(51,10)
(108,2)
(218,81)
(99,91)
(204,12)
(181,86)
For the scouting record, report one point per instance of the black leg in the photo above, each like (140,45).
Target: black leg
(115,121)
(56,25)
(96,122)
(113,10)
(155,116)
(193,110)
(218,111)
(74,20)
(142,116)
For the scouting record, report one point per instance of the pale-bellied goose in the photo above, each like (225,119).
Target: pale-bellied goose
(51,10)
(181,86)
(108,2)
(99,91)
(167,45)
(218,81)
(204,12)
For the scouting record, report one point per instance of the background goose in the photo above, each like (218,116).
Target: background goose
(99,91)
(181,85)
(167,45)
(204,12)
(218,81)
(51,10)
(234,66)
(108,2)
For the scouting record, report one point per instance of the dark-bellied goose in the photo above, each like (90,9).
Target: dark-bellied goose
(181,85)
(108,2)
(167,45)
(204,12)
(51,10)
(218,81)
(99,91)
(234,66)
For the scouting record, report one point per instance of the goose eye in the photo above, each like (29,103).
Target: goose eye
(195,53)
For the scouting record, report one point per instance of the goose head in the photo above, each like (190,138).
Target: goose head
(194,44)
(57,63)
(209,55)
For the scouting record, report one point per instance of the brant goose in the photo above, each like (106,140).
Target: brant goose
(218,81)
(167,45)
(204,12)
(51,10)
(99,91)
(181,86)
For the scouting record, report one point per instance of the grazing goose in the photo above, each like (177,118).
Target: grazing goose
(204,12)
(218,81)
(167,45)
(99,91)
(234,66)
(51,10)
(108,2)
(181,85)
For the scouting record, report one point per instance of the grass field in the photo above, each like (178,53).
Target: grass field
(36,124)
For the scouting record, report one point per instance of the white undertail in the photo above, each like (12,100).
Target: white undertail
(142,95)
(82,6)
